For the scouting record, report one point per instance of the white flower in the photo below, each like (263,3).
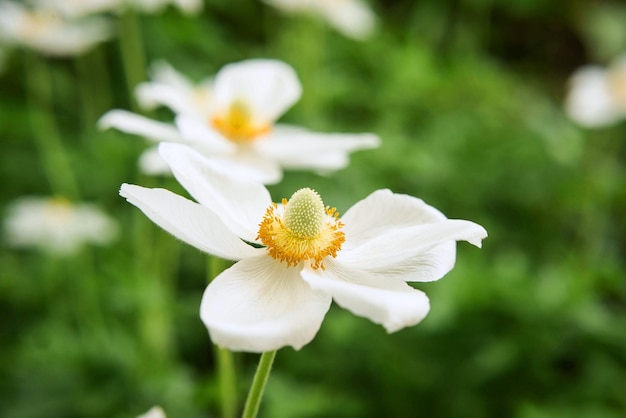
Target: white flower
(231,120)
(294,257)
(80,8)
(154,412)
(152,6)
(48,32)
(353,18)
(56,225)
(597,95)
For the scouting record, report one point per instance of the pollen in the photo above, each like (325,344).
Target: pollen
(302,229)
(237,124)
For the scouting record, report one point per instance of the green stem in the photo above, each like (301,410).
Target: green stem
(258,384)
(45,131)
(95,91)
(224,359)
(88,92)
(133,54)
(228,382)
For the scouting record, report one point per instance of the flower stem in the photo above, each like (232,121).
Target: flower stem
(132,50)
(227,380)
(55,160)
(224,359)
(258,384)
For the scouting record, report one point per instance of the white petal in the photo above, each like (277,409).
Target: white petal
(238,162)
(202,137)
(135,124)
(247,165)
(413,253)
(382,210)
(151,162)
(161,72)
(150,95)
(590,101)
(188,221)
(383,300)
(240,205)
(352,18)
(269,87)
(401,236)
(189,7)
(297,148)
(154,412)
(260,305)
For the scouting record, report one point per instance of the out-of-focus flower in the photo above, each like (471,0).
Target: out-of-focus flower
(48,32)
(56,225)
(295,257)
(597,95)
(231,121)
(154,412)
(153,6)
(79,8)
(353,18)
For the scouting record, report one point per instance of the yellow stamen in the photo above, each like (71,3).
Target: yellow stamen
(305,231)
(237,126)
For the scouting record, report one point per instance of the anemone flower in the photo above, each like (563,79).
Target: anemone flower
(294,257)
(154,412)
(56,225)
(80,8)
(353,18)
(597,95)
(48,32)
(232,121)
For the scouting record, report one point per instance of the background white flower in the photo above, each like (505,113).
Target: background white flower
(353,18)
(154,412)
(278,294)
(80,8)
(231,120)
(597,95)
(48,32)
(56,225)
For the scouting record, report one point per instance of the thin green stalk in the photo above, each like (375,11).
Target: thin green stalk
(224,359)
(133,53)
(258,384)
(228,382)
(88,92)
(54,157)
(95,87)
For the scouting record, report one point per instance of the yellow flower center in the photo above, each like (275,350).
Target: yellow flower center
(36,24)
(237,124)
(306,230)
(617,80)
(58,211)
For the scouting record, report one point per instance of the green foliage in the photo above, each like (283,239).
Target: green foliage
(531,326)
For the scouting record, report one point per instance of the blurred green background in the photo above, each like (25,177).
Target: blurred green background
(467,98)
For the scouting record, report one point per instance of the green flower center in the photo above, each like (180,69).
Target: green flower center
(304,214)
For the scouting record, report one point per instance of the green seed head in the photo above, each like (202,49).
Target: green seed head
(304,213)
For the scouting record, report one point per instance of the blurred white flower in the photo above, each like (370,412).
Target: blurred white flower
(56,225)
(154,6)
(231,121)
(353,18)
(80,8)
(154,412)
(597,95)
(48,32)
(295,257)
